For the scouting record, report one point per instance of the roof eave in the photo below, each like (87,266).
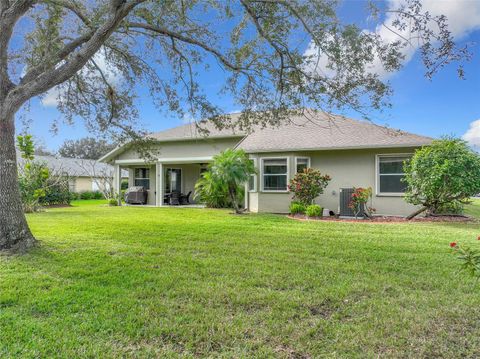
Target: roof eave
(337,148)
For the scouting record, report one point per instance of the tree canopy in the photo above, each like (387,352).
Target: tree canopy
(85,148)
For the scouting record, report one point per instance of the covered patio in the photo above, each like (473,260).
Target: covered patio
(169,181)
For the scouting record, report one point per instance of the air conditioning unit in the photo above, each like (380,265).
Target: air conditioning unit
(345,199)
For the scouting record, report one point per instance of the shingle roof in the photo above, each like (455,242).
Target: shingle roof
(74,167)
(319,131)
(191,131)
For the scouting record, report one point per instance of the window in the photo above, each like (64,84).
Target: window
(301,163)
(390,174)
(173,181)
(252,182)
(142,177)
(275,174)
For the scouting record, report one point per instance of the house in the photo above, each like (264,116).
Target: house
(354,153)
(83,175)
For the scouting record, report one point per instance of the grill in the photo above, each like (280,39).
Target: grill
(136,195)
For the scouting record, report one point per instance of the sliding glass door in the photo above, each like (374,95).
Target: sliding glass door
(173,180)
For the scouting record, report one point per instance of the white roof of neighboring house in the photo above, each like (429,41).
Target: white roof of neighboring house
(75,167)
(319,131)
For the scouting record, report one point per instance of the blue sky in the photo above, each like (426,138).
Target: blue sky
(445,105)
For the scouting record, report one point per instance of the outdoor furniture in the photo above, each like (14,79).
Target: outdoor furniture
(174,198)
(166,199)
(185,199)
(136,195)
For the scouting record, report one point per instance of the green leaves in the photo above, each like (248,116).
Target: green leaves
(308,185)
(26,147)
(443,173)
(229,171)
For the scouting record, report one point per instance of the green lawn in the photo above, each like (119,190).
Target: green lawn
(151,282)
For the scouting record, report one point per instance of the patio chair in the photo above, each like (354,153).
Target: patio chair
(175,198)
(185,199)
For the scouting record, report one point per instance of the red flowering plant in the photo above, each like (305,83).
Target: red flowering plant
(470,258)
(307,185)
(359,200)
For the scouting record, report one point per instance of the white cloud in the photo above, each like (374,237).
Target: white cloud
(463,17)
(472,136)
(50,99)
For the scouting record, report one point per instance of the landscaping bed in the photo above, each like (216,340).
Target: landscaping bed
(385,219)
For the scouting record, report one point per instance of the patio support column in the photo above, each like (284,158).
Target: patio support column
(117,182)
(159,184)
(247,194)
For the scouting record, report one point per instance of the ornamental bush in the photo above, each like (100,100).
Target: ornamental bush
(308,185)
(314,210)
(469,257)
(441,175)
(297,208)
(359,200)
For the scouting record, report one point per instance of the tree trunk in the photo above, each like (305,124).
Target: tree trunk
(416,213)
(15,235)
(233,197)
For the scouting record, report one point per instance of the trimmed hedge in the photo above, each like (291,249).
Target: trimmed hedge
(314,210)
(297,208)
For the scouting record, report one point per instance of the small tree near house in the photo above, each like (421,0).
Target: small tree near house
(231,169)
(307,185)
(359,201)
(442,174)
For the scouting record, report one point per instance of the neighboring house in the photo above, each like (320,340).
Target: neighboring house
(84,175)
(354,154)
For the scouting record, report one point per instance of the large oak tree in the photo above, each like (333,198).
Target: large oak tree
(161,45)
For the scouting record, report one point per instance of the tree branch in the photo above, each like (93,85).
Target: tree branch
(52,77)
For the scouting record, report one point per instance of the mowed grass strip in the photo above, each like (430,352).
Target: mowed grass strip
(176,282)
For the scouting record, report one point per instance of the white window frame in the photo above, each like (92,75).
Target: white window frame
(309,161)
(140,178)
(377,174)
(255,177)
(262,174)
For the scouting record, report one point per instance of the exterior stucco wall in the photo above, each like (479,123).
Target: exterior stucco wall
(185,149)
(347,168)
(83,184)
(151,191)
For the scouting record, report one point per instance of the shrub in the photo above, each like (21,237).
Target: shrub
(33,175)
(113,202)
(210,192)
(441,174)
(57,192)
(456,207)
(86,195)
(470,259)
(297,208)
(91,195)
(314,210)
(222,186)
(359,200)
(232,169)
(308,185)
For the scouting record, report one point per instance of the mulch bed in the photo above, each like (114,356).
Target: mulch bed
(385,219)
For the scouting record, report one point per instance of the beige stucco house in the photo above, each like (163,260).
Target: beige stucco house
(83,174)
(354,153)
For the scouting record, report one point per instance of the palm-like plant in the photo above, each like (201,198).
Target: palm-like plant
(232,168)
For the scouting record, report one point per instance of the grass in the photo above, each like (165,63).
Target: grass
(155,282)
